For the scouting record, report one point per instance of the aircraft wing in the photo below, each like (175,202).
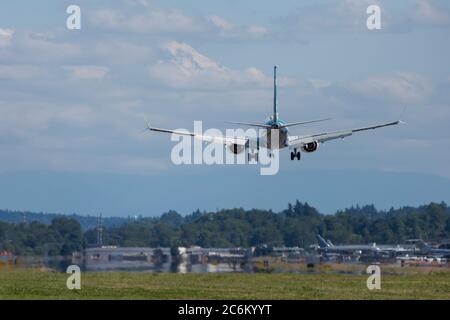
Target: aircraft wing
(298,142)
(214,139)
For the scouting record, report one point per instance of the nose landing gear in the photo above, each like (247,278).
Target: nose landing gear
(295,155)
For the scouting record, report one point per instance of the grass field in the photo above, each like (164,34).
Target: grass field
(35,284)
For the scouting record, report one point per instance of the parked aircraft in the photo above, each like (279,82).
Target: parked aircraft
(354,249)
(426,249)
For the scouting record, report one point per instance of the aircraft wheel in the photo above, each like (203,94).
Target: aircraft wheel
(295,155)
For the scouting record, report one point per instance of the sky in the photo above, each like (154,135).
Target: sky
(72,102)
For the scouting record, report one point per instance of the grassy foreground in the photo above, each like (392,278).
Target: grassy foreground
(34,284)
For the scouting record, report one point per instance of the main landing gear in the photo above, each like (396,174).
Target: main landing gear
(295,154)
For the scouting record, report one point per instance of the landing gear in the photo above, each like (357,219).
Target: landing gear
(295,154)
(253,156)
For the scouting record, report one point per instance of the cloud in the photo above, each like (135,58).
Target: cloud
(143,3)
(427,14)
(48,112)
(148,20)
(19,72)
(404,87)
(69,162)
(373,96)
(339,16)
(38,48)
(257,31)
(5,37)
(221,23)
(143,18)
(86,72)
(121,52)
(189,58)
(319,84)
(50,49)
(229,30)
(421,14)
(351,16)
(187,68)
(39,116)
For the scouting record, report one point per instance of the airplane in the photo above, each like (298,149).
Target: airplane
(297,144)
(426,249)
(395,250)
(328,247)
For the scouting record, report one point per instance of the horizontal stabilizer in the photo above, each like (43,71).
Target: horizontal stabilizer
(304,122)
(250,124)
(265,126)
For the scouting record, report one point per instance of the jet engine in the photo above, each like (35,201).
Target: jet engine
(310,147)
(236,148)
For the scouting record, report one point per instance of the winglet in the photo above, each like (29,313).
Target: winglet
(149,128)
(400,121)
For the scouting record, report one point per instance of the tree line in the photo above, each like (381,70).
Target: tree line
(62,237)
(86,221)
(295,226)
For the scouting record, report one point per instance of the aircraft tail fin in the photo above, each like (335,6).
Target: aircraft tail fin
(422,244)
(322,242)
(275,111)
